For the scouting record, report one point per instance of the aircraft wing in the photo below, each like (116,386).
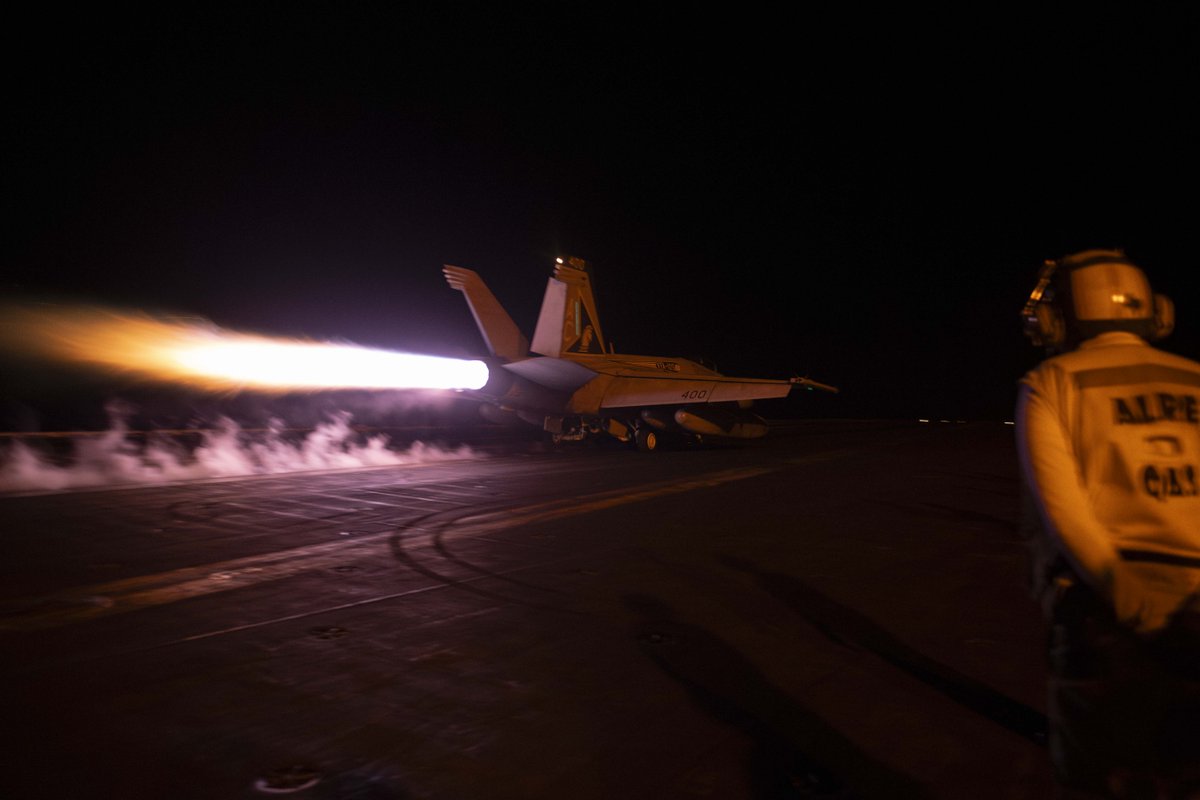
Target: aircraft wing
(627,391)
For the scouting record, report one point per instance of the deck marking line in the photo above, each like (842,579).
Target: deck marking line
(145,591)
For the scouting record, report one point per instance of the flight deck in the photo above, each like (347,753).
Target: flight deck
(837,610)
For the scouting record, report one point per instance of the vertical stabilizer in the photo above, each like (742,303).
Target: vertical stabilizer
(500,333)
(568,322)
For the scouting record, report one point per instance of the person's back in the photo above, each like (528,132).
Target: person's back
(1110,453)
(1132,415)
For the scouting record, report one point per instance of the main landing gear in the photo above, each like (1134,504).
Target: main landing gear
(574,429)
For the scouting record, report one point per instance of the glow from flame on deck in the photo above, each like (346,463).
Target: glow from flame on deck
(198,353)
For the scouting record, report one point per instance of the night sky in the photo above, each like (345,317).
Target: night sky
(865,199)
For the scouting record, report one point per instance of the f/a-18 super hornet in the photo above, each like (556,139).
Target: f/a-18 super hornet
(572,384)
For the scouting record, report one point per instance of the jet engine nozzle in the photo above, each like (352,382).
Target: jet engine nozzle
(510,390)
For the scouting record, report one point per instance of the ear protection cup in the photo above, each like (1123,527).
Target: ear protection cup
(1164,317)
(1043,323)
(1045,327)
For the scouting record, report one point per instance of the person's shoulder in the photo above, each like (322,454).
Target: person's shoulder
(1062,362)
(1048,370)
(1174,360)
(1114,354)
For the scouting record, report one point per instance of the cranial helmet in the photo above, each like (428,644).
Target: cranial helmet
(1085,294)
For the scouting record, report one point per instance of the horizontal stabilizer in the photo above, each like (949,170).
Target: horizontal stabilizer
(553,373)
(500,333)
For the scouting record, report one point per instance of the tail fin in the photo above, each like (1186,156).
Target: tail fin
(500,333)
(568,322)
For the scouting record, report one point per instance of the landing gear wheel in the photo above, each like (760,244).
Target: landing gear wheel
(646,440)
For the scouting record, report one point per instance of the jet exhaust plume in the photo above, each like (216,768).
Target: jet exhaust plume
(199,353)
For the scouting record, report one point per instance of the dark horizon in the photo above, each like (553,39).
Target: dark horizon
(789,196)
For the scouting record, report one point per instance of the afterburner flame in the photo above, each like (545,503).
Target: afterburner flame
(199,353)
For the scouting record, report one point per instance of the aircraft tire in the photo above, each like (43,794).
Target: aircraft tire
(646,440)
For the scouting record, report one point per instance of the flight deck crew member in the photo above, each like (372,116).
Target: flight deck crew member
(1109,442)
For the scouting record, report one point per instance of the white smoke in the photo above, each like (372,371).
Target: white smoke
(115,458)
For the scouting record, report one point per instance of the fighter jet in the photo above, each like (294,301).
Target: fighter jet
(570,383)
